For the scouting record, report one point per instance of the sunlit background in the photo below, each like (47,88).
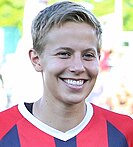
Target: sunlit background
(18,80)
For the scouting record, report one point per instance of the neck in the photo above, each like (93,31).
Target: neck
(60,117)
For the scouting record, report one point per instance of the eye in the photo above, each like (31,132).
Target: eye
(88,56)
(64,55)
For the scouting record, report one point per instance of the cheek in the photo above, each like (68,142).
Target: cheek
(93,69)
(54,67)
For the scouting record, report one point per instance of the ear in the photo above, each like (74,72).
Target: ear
(35,60)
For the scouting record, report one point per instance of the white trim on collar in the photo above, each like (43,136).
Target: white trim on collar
(53,132)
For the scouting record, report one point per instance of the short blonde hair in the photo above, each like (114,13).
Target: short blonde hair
(58,14)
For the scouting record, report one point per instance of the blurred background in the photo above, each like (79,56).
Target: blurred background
(18,80)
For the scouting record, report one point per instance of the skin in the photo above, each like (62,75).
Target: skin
(69,67)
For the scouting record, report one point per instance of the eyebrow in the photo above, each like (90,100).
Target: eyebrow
(72,50)
(90,49)
(64,48)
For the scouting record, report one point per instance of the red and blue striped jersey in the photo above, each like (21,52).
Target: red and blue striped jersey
(99,128)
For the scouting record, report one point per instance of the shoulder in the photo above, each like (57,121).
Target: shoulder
(10,113)
(8,119)
(121,122)
(110,115)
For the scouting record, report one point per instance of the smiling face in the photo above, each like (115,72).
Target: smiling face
(69,63)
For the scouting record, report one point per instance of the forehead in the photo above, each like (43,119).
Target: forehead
(72,35)
(80,26)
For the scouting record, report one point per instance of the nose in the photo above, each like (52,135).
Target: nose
(77,66)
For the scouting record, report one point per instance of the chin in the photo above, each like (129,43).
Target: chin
(75,101)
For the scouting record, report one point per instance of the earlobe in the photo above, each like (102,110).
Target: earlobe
(35,60)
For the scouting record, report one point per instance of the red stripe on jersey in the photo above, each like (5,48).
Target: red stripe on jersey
(32,136)
(94,134)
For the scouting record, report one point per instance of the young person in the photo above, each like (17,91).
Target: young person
(66,51)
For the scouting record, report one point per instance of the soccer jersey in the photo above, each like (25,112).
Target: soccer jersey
(99,128)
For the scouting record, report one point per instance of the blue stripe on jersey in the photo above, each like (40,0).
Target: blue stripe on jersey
(69,143)
(115,137)
(11,139)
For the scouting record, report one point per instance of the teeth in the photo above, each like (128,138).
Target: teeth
(74,82)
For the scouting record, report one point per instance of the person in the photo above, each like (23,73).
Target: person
(66,51)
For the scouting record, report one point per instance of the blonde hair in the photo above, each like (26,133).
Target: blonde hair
(58,14)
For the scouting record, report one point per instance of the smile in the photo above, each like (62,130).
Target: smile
(74,82)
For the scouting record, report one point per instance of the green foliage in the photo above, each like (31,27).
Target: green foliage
(102,7)
(128,15)
(11,13)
